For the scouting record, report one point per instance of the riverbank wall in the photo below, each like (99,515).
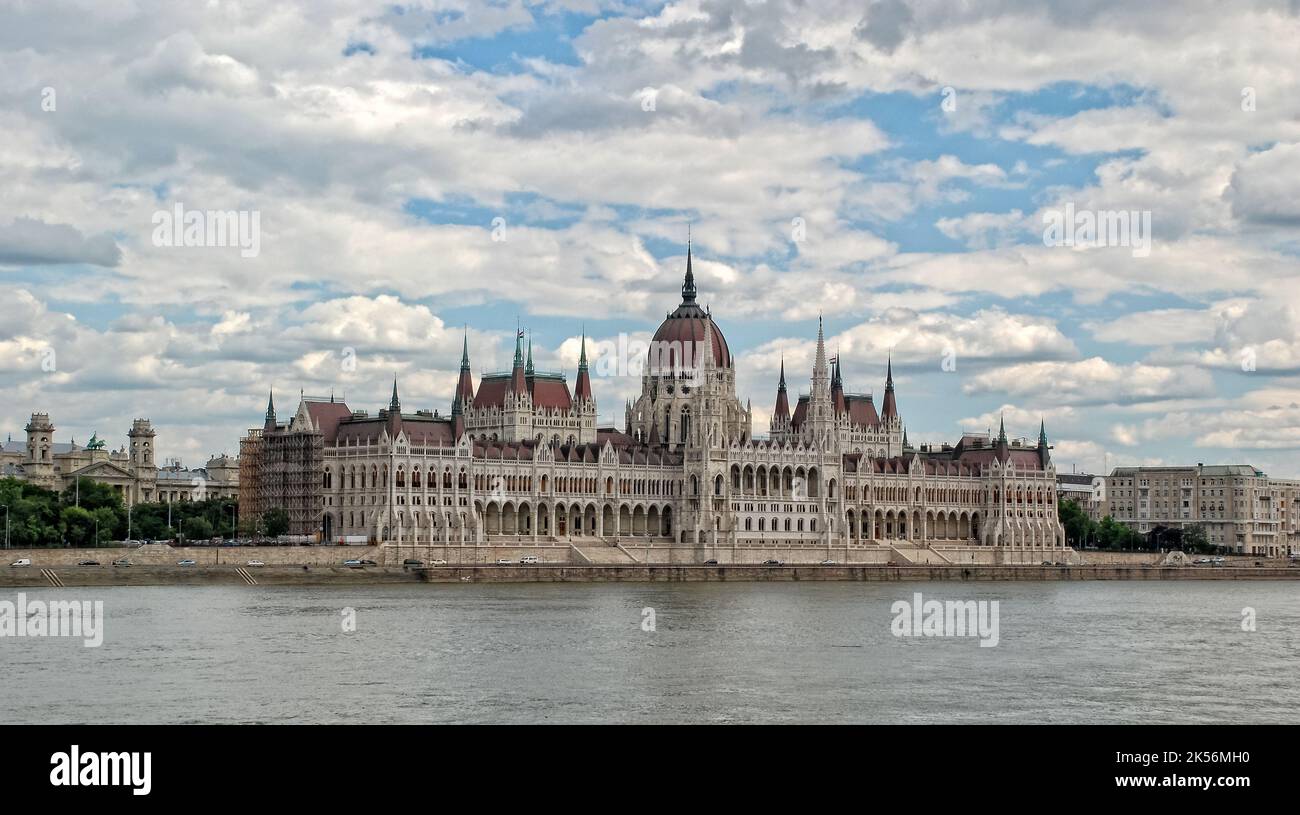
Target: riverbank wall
(98,576)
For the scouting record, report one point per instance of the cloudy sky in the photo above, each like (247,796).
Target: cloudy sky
(418,168)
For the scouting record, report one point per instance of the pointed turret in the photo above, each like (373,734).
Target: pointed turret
(269,424)
(582,388)
(518,385)
(464,395)
(837,389)
(688,285)
(889,408)
(782,412)
(528,366)
(819,364)
(1044,456)
(394,413)
(1002,448)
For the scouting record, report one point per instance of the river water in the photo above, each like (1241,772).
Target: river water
(1085,652)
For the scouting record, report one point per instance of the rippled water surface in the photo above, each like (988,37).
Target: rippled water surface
(740,652)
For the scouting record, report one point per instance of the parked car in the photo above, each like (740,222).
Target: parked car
(410,561)
(22,561)
(437,562)
(503,562)
(255,563)
(773,562)
(368,563)
(529,560)
(1220,560)
(121,562)
(87,562)
(830,563)
(186,562)
(356,564)
(710,562)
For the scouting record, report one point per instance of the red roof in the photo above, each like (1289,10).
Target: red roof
(550,392)
(862,411)
(492,390)
(327,416)
(682,335)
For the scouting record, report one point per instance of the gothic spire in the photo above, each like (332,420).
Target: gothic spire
(688,287)
(517,383)
(819,364)
(270,409)
(528,366)
(582,388)
(782,412)
(394,406)
(889,407)
(465,384)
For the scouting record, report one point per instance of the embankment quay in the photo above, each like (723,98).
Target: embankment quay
(305,575)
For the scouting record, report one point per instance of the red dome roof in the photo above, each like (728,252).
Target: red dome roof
(680,340)
(676,340)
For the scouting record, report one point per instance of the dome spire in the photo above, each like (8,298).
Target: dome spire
(688,287)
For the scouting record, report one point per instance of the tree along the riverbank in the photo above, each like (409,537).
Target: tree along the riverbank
(1108,533)
(94,512)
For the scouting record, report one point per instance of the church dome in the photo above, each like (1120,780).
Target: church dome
(679,340)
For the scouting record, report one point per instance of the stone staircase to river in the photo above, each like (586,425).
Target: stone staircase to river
(600,554)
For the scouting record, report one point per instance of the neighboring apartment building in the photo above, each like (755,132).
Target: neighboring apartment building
(1081,488)
(1238,505)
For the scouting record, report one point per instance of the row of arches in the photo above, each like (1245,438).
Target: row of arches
(913,525)
(775,481)
(561,519)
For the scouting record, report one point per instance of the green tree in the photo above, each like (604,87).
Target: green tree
(78,526)
(197,528)
(276,522)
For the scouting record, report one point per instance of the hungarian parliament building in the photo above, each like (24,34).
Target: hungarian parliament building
(521,459)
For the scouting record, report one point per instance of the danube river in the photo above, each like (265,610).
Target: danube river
(1074,651)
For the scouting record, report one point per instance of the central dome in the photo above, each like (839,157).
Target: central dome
(680,338)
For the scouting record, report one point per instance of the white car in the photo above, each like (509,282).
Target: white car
(829,563)
(529,560)
(25,561)
(503,562)
(256,563)
(438,562)
(184,563)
